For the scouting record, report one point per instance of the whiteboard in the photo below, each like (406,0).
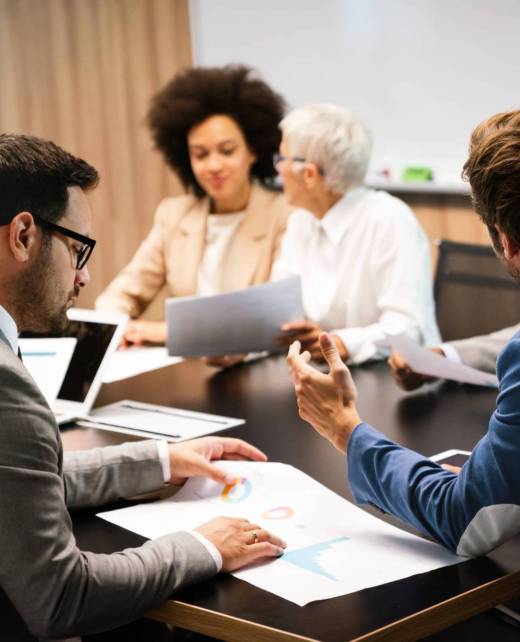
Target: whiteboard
(420,73)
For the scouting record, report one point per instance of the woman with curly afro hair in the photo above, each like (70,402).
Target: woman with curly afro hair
(218,130)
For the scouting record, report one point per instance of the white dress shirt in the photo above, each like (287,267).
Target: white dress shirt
(9,329)
(219,232)
(365,270)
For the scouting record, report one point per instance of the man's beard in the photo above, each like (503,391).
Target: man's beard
(512,270)
(40,301)
(499,251)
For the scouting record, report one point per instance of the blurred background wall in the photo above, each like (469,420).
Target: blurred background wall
(420,74)
(81,72)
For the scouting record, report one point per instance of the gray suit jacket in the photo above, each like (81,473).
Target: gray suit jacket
(481,352)
(57,590)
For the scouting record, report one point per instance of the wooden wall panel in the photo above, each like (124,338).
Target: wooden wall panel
(81,72)
(447,217)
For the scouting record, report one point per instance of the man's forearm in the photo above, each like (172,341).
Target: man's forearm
(470,513)
(403,483)
(101,475)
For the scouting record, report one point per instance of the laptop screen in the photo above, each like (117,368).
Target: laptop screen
(93,339)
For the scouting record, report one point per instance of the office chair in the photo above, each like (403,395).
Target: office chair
(473,292)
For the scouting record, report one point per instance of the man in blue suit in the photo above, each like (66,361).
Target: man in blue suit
(474,511)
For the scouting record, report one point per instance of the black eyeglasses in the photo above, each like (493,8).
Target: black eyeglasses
(278,158)
(87,244)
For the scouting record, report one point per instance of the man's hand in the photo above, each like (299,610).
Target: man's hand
(404,376)
(326,401)
(240,542)
(308,334)
(225,361)
(140,332)
(194,458)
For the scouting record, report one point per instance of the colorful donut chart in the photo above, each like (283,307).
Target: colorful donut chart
(236,492)
(280,512)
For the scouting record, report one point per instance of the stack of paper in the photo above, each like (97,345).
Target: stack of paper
(426,362)
(130,362)
(154,421)
(239,322)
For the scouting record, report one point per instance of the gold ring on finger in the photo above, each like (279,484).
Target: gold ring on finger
(255,537)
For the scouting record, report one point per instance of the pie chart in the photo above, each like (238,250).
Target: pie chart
(236,492)
(280,512)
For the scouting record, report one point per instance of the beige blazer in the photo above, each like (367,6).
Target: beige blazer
(173,250)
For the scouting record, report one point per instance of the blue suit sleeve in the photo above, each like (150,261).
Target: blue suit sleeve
(469,513)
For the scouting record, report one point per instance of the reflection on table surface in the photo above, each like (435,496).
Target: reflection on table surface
(441,416)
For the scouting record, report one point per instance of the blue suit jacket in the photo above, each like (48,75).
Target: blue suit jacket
(470,513)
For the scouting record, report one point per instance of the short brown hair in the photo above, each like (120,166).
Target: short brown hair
(493,171)
(35,175)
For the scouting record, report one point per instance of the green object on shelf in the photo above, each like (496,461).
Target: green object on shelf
(417,174)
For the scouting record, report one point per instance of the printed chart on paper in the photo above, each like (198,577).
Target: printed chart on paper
(333,548)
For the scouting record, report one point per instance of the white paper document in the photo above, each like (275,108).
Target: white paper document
(334,547)
(130,362)
(47,361)
(151,420)
(426,362)
(245,321)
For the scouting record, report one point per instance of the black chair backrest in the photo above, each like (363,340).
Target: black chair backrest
(474,294)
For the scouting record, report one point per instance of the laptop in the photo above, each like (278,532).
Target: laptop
(97,335)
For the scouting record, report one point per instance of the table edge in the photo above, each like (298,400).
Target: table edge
(413,627)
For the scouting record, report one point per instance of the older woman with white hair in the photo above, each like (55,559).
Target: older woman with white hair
(362,256)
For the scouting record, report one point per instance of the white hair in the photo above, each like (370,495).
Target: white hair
(334,139)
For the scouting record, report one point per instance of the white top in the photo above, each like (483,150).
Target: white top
(9,329)
(365,270)
(219,232)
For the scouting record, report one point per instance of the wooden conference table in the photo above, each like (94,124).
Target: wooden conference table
(445,415)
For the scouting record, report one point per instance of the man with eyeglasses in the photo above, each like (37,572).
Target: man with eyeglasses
(48,587)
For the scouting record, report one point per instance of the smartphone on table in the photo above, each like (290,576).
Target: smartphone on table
(452,457)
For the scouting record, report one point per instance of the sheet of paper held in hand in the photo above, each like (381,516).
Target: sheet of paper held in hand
(136,360)
(151,420)
(333,548)
(426,362)
(245,321)
(47,361)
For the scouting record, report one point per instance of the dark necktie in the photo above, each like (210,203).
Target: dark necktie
(20,354)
